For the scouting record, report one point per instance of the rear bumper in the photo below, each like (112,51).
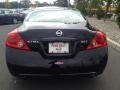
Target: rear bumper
(32,63)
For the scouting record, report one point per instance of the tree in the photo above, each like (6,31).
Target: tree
(45,4)
(109,2)
(87,6)
(26,3)
(81,5)
(37,3)
(2,5)
(62,3)
(118,12)
(14,4)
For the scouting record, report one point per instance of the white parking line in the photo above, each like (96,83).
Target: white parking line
(112,41)
(114,44)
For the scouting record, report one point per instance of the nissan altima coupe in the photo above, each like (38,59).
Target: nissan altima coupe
(56,42)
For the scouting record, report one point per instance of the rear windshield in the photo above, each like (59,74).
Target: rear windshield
(56,16)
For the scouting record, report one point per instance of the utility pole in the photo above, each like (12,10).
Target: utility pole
(68,3)
(18,4)
(76,2)
(7,3)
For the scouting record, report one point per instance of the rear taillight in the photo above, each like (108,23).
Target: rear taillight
(14,40)
(98,41)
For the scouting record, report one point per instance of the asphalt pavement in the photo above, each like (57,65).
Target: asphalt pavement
(109,80)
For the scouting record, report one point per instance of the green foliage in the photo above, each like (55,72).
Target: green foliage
(100,13)
(96,3)
(87,7)
(2,5)
(118,13)
(82,9)
(118,20)
(62,3)
(82,6)
(26,3)
(12,5)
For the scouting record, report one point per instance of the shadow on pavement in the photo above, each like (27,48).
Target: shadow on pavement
(57,83)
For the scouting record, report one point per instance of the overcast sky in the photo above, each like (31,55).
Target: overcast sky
(49,1)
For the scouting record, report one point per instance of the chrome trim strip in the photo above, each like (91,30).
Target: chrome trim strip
(75,74)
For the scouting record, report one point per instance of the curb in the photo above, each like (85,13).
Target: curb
(113,44)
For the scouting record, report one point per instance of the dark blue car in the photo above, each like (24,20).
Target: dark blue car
(56,42)
(8,17)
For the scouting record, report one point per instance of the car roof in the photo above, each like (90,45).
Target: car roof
(55,8)
(51,8)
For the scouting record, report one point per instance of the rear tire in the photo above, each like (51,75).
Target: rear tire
(92,75)
(15,73)
(15,21)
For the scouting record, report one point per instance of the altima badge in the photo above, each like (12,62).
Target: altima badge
(59,33)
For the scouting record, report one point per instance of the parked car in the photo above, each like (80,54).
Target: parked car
(17,14)
(24,13)
(7,17)
(56,42)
